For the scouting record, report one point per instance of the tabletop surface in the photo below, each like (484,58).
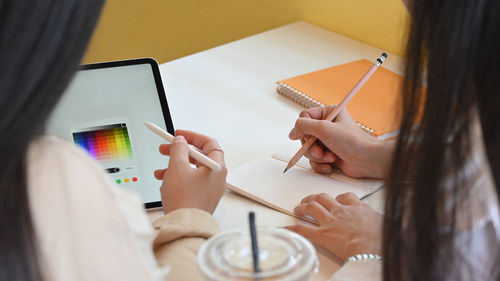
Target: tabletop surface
(229,93)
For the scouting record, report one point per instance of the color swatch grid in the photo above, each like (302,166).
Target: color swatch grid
(106,143)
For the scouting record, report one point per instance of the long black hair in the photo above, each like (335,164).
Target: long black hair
(453,45)
(41,45)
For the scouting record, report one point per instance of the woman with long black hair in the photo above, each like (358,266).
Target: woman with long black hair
(61,218)
(442,219)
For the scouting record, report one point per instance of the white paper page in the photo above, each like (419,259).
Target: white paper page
(286,153)
(265,179)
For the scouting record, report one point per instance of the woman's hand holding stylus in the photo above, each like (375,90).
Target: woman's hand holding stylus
(184,186)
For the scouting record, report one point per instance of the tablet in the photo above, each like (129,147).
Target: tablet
(103,112)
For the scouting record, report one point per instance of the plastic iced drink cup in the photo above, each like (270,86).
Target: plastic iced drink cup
(283,255)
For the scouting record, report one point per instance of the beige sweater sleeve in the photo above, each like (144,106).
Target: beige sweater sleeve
(179,236)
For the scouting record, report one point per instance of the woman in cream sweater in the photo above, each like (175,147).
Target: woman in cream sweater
(61,218)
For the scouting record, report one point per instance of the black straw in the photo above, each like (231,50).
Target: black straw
(255,246)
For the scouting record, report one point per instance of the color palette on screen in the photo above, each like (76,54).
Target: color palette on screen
(109,143)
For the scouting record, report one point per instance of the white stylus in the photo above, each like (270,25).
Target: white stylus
(193,151)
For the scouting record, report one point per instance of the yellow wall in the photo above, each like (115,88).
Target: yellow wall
(381,23)
(169,29)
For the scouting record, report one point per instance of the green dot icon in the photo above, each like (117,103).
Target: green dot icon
(118,181)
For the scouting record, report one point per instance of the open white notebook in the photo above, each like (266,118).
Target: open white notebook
(264,182)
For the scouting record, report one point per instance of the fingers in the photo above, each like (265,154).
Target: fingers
(328,156)
(296,133)
(308,121)
(310,127)
(348,198)
(321,129)
(179,152)
(318,153)
(160,174)
(312,209)
(323,199)
(314,113)
(321,168)
(206,144)
(198,140)
(165,150)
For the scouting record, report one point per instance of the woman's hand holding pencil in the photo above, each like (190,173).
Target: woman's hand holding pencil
(338,109)
(342,144)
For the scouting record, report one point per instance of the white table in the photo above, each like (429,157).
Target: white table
(229,92)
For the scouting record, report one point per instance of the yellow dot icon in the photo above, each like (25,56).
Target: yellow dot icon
(126,180)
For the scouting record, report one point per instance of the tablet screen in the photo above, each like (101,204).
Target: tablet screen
(103,112)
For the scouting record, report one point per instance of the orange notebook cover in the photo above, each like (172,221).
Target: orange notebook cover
(374,107)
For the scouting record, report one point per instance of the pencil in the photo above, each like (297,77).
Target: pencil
(193,152)
(337,109)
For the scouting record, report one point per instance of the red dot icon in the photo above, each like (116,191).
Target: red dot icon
(134,179)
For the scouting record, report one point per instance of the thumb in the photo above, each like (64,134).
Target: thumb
(321,129)
(179,152)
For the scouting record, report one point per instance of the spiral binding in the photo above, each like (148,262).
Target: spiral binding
(308,102)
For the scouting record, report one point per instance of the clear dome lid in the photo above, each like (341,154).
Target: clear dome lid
(283,255)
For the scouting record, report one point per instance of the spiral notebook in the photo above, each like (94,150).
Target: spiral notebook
(375,107)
